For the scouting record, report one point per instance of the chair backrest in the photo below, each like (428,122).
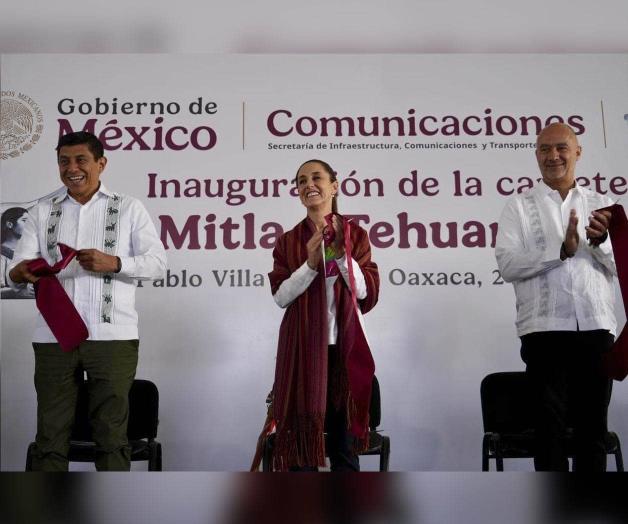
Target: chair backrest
(143,412)
(375,408)
(506,402)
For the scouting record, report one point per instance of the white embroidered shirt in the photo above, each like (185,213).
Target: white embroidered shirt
(107,306)
(555,295)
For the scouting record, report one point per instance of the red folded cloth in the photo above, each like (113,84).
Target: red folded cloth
(616,362)
(54,304)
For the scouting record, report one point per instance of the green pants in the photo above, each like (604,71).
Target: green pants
(110,366)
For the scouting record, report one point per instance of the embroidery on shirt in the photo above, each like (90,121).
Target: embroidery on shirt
(52,231)
(110,243)
(534,216)
(595,201)
(536,225)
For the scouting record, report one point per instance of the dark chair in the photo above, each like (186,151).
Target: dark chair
(378,444)
(508,422)
(141,432)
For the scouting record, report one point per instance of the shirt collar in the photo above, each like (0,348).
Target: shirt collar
(546,190)
(63,193)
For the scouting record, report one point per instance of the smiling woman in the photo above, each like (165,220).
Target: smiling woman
(317,185)
(321,338)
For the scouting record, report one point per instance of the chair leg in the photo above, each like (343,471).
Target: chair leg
(384,455)
(499,459)
(29,456)
(619,459)
(159,463)
(485,464)
(154,458)
(267,454)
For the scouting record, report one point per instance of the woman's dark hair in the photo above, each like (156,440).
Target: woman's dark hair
(13,214)
(332,177)
(82,137)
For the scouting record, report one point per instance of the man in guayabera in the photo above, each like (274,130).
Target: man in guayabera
(117,244)
(562,273)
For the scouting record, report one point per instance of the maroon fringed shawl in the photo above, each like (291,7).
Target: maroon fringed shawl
(616,361)
(300,390)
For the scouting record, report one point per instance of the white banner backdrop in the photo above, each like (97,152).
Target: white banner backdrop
(427,148)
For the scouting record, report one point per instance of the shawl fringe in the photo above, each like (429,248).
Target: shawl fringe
(302,447)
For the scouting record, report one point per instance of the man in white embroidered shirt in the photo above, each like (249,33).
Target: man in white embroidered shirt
(112,254)
(562,273)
